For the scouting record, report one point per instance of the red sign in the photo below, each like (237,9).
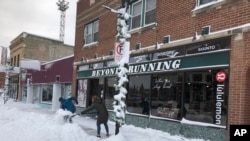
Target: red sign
(221,76)
(118,52)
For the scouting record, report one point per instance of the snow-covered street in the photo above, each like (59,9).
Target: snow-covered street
(28,122)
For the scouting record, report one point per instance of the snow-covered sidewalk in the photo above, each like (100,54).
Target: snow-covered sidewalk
(28,122)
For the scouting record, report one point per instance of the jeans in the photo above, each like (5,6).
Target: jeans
(99,128)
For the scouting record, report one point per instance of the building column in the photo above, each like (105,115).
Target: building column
(29,93)
(19,93)
(56,95)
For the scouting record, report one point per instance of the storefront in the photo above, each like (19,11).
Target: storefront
(189,81)
(45,87)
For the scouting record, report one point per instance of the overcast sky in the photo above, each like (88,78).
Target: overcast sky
(39,17)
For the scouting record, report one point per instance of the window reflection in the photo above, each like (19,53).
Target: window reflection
(138,96)
(110,92)
(166,94)
(47,91)
(194,95)
(201,98)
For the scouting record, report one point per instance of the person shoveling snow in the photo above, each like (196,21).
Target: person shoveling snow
(69,105)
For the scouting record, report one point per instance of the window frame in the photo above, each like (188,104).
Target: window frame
(47,93)
(199,8)
(143,14)
(90,31)
(212,2)
(199,1)
(132,10)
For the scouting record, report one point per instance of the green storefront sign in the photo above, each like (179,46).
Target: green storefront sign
(183,63)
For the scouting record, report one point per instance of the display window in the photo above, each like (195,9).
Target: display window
(206,96)
(110,92)
(47,92)
(82,92)
(138,94)
(196,95)
(166,95)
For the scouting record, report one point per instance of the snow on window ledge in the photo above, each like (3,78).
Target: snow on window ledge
(140,29)
(197,123)
(90,44)
(200,7)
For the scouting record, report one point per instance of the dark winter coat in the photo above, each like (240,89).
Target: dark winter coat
(67,104)
(102,112)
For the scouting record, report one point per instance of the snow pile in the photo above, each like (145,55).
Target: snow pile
(17,125)
(28,122)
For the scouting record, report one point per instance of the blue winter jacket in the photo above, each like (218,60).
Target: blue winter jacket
(67,104)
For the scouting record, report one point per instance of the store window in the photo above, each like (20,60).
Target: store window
(110,92)
(138,96)
(47,93)
(82,89)
(206,94)
(166,95)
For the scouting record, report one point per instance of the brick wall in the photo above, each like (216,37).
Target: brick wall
(177,19)
(44,49)
(2,79)
(173,18)
(238,103)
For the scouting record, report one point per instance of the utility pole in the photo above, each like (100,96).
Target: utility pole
(63,6)
(122,64)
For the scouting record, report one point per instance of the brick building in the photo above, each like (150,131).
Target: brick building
(190,61)
(34,47)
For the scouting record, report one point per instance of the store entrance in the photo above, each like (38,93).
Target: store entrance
(93,89)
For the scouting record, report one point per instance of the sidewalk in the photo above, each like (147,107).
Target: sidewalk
(39,124)
(127,131)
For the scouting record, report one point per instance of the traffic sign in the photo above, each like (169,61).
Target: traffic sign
(118,52)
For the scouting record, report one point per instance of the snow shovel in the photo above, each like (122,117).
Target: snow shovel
(68,118)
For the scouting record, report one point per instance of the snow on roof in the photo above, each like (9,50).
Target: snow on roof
(58,59)
(25,34)
(30,64)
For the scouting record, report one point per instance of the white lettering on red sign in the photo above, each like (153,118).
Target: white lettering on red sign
(220,76)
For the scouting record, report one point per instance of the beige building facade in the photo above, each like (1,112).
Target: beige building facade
(34,47)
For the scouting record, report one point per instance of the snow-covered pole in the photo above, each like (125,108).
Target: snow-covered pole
(6,84)
(122,38)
